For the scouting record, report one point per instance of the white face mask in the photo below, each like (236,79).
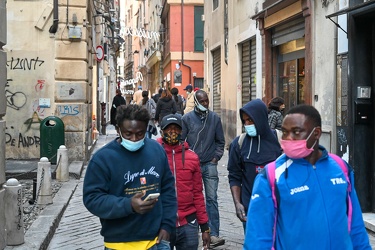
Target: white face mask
(131,145)
(201,107)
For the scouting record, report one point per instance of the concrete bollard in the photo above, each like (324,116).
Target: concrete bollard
(14,213)
(62,173)
(44,182)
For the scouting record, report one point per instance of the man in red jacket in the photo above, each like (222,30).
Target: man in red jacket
(185,167)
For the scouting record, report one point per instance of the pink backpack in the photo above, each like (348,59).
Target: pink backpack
(271,178)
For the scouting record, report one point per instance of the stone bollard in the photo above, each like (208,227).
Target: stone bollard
(14,213)
(44,182)
(62,173)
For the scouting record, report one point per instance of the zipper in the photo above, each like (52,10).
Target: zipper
(175,181)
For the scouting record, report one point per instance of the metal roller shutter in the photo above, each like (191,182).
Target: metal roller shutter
(216,81)
(248,71)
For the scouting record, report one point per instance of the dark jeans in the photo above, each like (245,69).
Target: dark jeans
(210,178)
(163,245)
(185,237)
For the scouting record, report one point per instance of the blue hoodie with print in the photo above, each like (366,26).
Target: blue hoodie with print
(245,162)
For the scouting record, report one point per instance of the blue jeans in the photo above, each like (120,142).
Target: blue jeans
(210,178)
(185,237)
(163,245)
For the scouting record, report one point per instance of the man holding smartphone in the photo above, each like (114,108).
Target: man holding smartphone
(118,179)
(185,167)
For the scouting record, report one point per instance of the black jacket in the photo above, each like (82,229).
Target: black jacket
(165,106)
(117,101)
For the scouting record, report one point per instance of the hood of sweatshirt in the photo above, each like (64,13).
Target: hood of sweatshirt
(266,139)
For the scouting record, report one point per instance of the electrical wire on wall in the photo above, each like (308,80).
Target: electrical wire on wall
(66,25)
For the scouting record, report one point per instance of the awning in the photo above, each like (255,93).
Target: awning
(271,9)
(361,6)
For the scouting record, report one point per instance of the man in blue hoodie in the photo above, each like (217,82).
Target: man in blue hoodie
(249,153)
(119,177)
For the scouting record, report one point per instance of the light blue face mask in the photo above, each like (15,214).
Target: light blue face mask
(201,107)
(251,130)
(132,145)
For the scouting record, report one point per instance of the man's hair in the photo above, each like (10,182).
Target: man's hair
(309,111)
(174,91)
(200,92)
(132,112)
(144,93)
(160,91)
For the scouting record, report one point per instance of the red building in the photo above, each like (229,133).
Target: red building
(182,38)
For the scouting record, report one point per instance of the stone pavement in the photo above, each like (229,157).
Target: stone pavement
(78,229)
(67,225)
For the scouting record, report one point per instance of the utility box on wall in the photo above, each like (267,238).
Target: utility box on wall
(363,111)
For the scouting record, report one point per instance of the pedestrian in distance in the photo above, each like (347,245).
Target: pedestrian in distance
(185,167)
(150,105)
(275,109)
(118,100)
(179,101)
(203,131)
(158,95)
(306,199)
(118,178)
(137,96)
(189,101)
(165,106)
(249,153)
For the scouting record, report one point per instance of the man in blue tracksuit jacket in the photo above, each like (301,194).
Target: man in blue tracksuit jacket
(259,146)
(311,190)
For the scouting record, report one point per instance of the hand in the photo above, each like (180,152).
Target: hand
(240,212)
(140,206)
(163,235)
(214,161)
(206,240)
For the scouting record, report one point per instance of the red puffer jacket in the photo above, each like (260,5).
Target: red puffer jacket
(185,167)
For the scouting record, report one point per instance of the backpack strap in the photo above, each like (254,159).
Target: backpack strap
(344,168)
(240,140)
(271,168)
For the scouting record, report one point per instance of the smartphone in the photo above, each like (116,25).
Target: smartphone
(152,196)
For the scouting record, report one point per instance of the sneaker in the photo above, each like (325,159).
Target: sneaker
(216,241)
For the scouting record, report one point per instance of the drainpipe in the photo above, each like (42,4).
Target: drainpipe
(182,40)
(54,26)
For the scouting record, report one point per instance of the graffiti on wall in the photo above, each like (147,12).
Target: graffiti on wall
(24,63)
(22,140)
(68,109)
(15,100)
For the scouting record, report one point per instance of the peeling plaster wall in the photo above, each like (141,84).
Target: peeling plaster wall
(30,68)
(50,66)
(3,77)
(324,72)
(241,28)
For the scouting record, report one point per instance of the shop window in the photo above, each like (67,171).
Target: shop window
(292,82)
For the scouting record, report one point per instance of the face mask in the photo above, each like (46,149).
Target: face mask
(131,145)
(297,149)
(201,107)
(251,130)
(171,138)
